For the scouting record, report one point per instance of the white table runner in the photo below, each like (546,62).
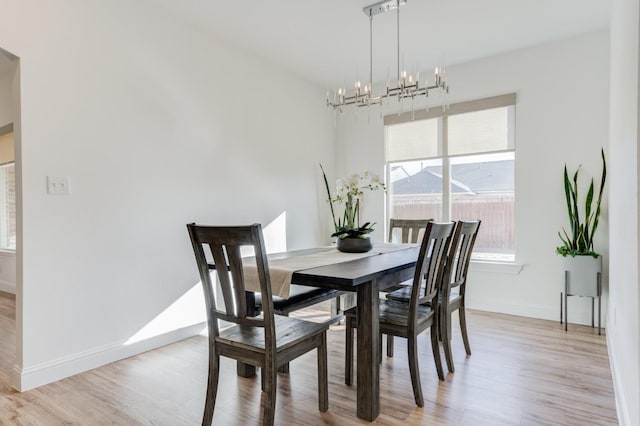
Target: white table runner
(281,270)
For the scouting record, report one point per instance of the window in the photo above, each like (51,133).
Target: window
(7,190)
(457,165)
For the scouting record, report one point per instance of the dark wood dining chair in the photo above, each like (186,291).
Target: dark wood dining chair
(268,341)
(409,229)
(453,287)
(409,232)
(400,319)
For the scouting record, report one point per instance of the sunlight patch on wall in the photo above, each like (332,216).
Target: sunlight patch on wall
(189,309)
(275,234)
(186,311)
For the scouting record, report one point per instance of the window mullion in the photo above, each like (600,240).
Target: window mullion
(446,170)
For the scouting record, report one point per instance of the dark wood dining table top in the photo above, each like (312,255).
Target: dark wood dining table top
(348,275)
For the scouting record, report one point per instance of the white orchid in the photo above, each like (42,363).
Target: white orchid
(350,191)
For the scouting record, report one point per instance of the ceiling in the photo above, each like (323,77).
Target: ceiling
(327,41)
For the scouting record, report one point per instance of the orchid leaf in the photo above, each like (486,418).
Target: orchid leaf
(329,197)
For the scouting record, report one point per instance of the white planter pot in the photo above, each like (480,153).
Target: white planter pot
(581,274)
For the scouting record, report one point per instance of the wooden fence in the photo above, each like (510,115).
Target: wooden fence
(496,210)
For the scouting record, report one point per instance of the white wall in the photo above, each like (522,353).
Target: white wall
(157,124)
(561,116)
(623,331)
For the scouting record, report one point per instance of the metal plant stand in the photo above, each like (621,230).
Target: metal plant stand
(565,294)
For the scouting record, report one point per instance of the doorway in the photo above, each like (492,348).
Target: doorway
(9,214)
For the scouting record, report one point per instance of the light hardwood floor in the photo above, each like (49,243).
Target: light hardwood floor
(522,372)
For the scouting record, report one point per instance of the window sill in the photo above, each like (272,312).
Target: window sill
(510,268)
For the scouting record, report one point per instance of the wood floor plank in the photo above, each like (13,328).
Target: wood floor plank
(523,372)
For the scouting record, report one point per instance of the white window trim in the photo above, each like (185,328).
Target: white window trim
(509,268)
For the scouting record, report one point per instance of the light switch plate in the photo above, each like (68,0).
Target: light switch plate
(58,185)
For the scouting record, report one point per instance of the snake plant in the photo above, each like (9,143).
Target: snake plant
(579,240)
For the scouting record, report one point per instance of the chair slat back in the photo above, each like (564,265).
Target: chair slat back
(461,254)
(431,265)
(224,244)
(410,229)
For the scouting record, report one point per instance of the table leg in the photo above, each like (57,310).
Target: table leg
(368,369)
(242,369)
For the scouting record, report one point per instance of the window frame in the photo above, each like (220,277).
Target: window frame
(442,115)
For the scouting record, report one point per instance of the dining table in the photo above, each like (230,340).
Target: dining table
(366,275)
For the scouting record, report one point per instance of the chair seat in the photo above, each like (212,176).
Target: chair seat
(396,286)
(404,294)
(395,313)
(289,332)
(300,296)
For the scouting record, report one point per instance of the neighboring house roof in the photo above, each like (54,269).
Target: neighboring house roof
(466,178)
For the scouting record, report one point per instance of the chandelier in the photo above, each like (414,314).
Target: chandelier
(406,86)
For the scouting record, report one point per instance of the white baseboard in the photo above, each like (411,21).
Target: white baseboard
(24,379)
(577,314)
(621,401)
(7,287)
